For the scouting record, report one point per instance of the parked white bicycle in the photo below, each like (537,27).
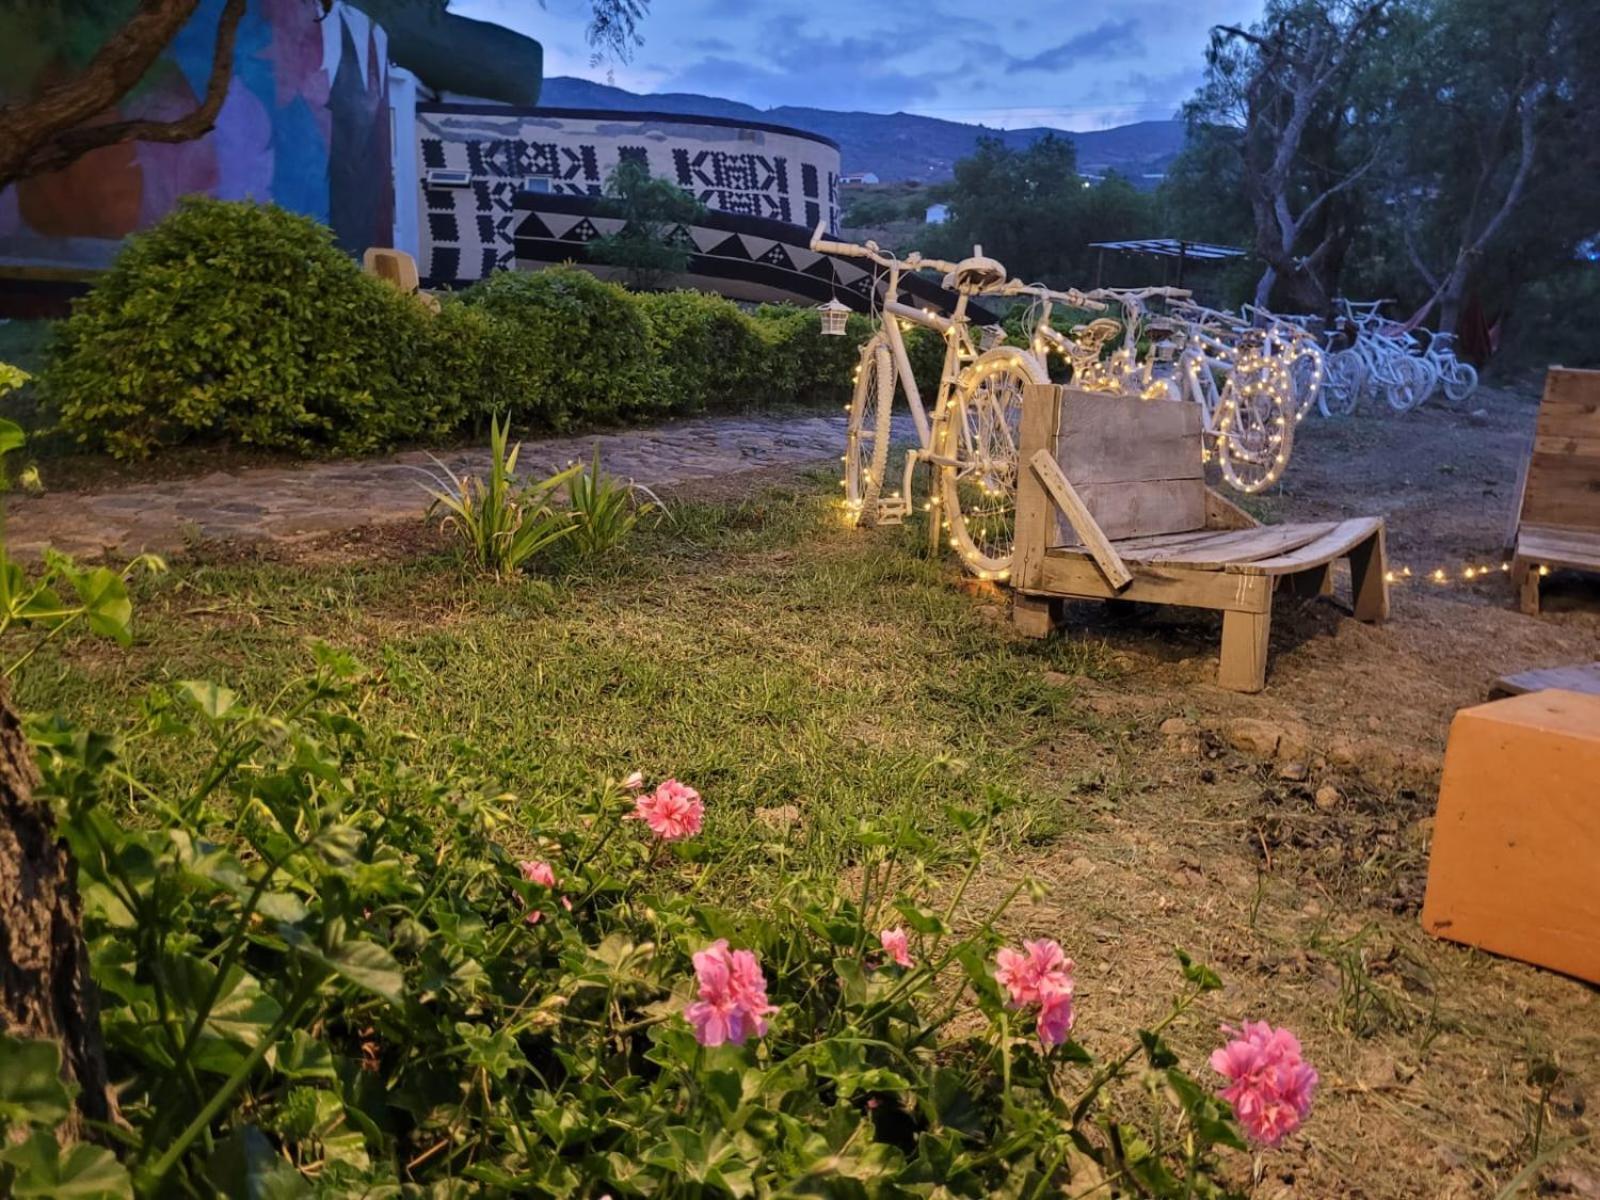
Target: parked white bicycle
(969,442)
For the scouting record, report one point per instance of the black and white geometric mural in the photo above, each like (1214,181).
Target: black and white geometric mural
(478,160)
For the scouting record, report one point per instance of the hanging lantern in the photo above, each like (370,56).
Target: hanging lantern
(834,315)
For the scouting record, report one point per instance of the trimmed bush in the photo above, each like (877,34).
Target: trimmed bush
(239,321)
(583,343)
(706,353)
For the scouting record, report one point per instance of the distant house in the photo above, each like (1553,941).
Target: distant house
(937,214)
(858,177)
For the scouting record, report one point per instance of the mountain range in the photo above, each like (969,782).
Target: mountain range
(894,146)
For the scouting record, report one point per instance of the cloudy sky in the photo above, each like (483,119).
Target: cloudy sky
(1064,63)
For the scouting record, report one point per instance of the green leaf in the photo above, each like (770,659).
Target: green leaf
(1199,974)
(209,699)
(105,603)
(84,1172)
(32,1091)
(365,964)
(245,1165)
(11,435)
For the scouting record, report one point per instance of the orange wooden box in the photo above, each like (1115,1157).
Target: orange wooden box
(1516,847)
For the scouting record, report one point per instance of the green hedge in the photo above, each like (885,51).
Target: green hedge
(243,322)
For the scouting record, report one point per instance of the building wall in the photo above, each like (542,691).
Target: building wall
(306,124)
(466,232)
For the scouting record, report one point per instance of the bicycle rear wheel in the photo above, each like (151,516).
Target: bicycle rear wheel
(1341,391)
(1460,380)
(978,480)
(866,452)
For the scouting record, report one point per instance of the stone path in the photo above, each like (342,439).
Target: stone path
(287,504)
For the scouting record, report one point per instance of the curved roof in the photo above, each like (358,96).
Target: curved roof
(623,115)
(452,53)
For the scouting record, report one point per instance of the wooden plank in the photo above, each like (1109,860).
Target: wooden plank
(1073,573)
(1035,519)
(1369,578)
(1243,667)
(1125,510)
(1123,439)
(1562,485)
(1237,548)
(1576,677)
(1334,542)
(1068,501)
(1222,513)
(1559,548)
(1137,546)
(1034,616)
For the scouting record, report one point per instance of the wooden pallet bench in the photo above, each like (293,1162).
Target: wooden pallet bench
(1112,505)
(1557,521)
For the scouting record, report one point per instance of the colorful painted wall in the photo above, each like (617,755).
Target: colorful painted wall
(306,124)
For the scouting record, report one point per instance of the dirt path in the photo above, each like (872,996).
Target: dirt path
(294,503)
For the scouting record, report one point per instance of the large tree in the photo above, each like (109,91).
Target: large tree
(1284,84)
(67,117)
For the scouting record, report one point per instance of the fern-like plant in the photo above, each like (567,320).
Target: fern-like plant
(605,509)
(502,522)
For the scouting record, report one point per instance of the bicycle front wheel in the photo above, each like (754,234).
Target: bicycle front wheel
(978,479)
(1460,381)
(866,451)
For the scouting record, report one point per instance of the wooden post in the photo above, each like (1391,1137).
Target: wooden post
(1244,649)
(1041,414)
(1369,584)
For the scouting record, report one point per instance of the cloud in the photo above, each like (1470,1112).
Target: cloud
(1121,36)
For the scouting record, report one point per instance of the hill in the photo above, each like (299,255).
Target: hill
(894,146)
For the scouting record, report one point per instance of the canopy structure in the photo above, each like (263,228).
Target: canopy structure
(1182,250)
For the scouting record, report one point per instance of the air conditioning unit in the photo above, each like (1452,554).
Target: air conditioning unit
(438,177)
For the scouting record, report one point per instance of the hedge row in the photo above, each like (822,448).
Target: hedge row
(243,322)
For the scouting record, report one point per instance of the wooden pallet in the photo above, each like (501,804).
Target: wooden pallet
(1112,505)
(1558,504)
(1578,677)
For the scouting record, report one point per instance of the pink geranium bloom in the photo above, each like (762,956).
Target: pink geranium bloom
(543,874)
(673,811)
(733,996)
(1041,967)
(897,945)
(1269,1084)
(1055,1017)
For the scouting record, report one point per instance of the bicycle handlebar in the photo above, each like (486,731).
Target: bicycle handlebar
(822,245)
(1072,296)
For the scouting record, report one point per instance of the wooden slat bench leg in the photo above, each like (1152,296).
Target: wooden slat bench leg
(1369,583)
(1525,578)
(1035,616)
(1308,585)
(1244,650)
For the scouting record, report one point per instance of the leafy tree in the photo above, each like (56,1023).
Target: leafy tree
(1284,84)
(1031,209)
(63,120)
(651,207)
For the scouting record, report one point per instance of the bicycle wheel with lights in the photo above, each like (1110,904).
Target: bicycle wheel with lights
(866,454)
(1255,430)
(978,457)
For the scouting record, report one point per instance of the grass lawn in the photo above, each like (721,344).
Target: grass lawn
(749,649)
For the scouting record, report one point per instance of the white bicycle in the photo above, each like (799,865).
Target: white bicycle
(970,441)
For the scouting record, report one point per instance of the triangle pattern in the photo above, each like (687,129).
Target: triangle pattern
(730,247)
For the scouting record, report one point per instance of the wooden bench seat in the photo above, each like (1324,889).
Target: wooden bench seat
(1557,523)
(1112,505)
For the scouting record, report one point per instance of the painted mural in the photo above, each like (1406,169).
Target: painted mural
(306,124)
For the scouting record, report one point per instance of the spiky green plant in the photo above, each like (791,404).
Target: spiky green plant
(605,509)
(503,522)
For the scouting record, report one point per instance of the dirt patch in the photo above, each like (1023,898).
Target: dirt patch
(1284,837)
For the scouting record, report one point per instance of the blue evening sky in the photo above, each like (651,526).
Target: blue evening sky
(1069,65)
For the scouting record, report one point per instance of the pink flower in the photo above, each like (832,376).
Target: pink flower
(1269,1084)
(673,811)
(544,875)
(1041,967)
(1055,1018)
(896,944)
(634,782)
(733,996)
(538,872)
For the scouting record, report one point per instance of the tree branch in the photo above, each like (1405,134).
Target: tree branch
(72,144)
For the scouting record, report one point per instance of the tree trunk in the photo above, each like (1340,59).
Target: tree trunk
(45,989)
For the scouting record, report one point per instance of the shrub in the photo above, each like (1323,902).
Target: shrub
(239,321)
(605,509)
(706,353)
(584,344)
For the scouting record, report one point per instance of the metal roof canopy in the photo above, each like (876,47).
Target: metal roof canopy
(1173,248)
(1184,251)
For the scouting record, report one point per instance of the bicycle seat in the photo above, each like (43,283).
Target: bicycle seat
(976,273)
